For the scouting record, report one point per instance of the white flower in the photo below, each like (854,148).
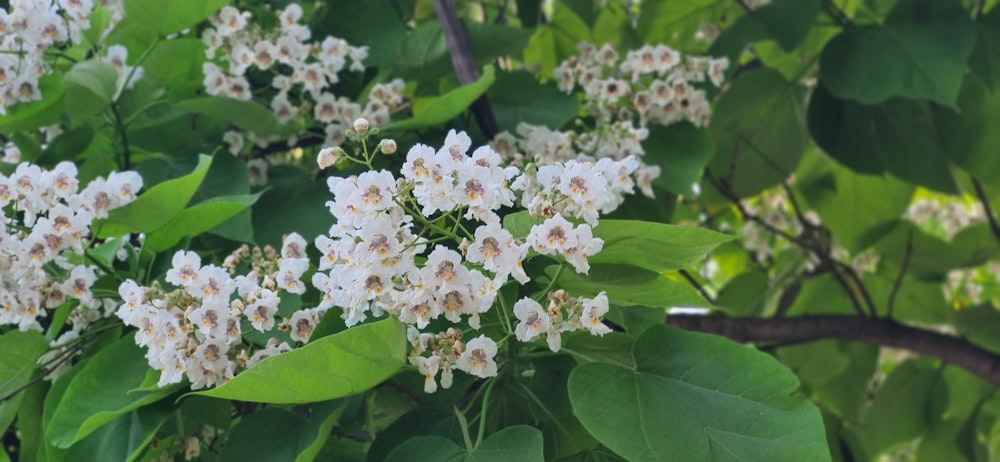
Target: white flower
(303,324)
(185,268)
(593,310)
(477,359)
(534,320)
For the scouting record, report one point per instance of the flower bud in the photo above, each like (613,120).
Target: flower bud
(361,125)
(387,146)
(329,156)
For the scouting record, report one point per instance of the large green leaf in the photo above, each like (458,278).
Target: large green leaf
(655,246)
(442,108)
(198,219)
(628,285)
(156,206)
(933,258)
(519,442)
(337,365)
(900,136)
(248,115)
(787,22)
(843,390)
(899,412)
(985,59)
(292,436)
(20,355)
(104,389)
(163,66)
(518,97)
(969,134)
(556,40)
(676,22)
(424,55)
(682,151)
(920,51)
(979,324)
(759,131)
(294,202)
(378,25)
(165,18)
(844,201)
(90,88)
(694,396)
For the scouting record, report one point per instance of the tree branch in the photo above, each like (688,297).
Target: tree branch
(875,331)
(464,63)
(986,208)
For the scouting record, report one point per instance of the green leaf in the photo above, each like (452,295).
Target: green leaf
(337,365)
(518,97)
(294,202)
(155,207)
(979,324)
(899,411)
(695,396)
(845,392)
(102,391)
(228,177)
(628,285)
(655,246)
(321,421)
(518,442)
(931,257)
(198,219)
(920,51)
(442,108)
(676,22)
(985,59)
(744,295)
(378,25)
(557,40)
(163,66)
(20,355)
(90,88)
(682,151)
(248,115)
(424,56)
(290,436)
(900,136)
(844,201)
(786,21)
(758,127)
(968,134)
(169,18)
(34,114)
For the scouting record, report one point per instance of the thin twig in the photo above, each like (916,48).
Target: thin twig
(464,63)
(902,272)
(701,289)
(986,207)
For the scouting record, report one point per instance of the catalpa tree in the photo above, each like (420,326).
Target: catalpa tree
(517,230)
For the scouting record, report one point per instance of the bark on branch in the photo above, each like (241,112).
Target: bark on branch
(875,331)
(464,63)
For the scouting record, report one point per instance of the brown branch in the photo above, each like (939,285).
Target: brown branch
(986,208)
(464,63)
(875,331)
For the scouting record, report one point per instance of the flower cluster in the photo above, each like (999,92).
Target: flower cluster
(300,71)
(40,245)
(28,30)
(944,217)
(380,256)
(196,328)
(655,82)
(578,175)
